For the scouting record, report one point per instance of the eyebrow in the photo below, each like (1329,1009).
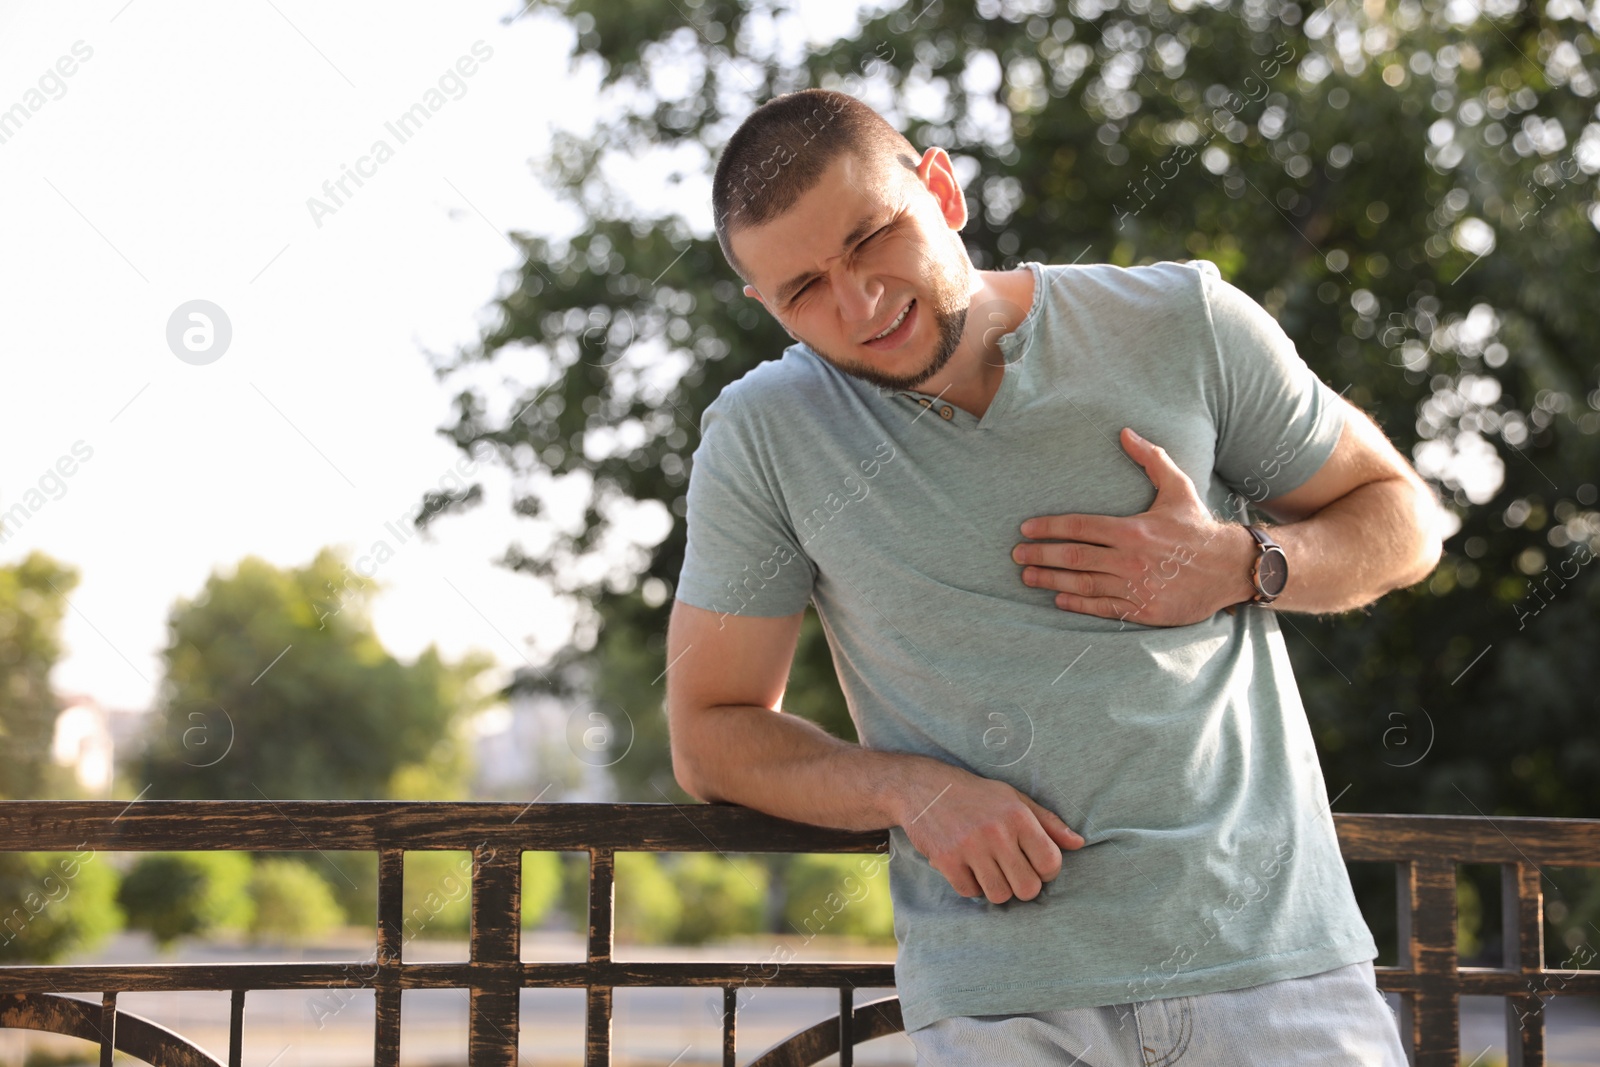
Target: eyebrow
(790,288)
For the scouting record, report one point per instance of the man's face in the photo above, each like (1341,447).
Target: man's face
(864,245)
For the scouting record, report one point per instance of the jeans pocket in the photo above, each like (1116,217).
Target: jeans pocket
(1166,1027)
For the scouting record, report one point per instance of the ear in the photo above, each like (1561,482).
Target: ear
(938,174)
(750,290)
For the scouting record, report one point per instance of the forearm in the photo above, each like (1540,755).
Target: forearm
(790,767)
(1378,537)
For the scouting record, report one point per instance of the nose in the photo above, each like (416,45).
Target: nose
(860,297)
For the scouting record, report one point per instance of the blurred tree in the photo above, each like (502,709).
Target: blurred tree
(1408,187)
(438,894)
(722,896)
(292,903)
(55,904)
(649,906)
(541,886)
(178,894)
(839,896)
(33,601)
(276,687)
(50,904)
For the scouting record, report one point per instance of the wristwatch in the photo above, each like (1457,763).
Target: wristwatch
(1270,572)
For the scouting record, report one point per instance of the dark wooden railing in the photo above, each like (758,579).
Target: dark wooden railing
(1424,849)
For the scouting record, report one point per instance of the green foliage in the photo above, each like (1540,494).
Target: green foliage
(177,894)
(276,686)
(438,895)
(53,905)
(541,886)
(353,878)
(838,895)
(33,601)
(649,907)
(293,903)
(1469,917)
(722,896)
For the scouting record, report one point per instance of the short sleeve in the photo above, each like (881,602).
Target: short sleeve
(1277,422)
(741,555)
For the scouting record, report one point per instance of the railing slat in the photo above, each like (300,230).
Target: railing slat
(730,1016)
(108,1027)
(602,902)
(386,1022)
(602,911)
(597,1028)
(496,1013)
(1524,1031)
(1429,1015)
(847,1026)
(236,1029)
(1522,926)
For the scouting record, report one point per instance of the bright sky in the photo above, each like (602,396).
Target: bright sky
(174,163)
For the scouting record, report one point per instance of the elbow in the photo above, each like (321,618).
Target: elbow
(683,772)
(688,773)
(1430,532)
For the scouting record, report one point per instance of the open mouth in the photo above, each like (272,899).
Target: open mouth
(896,331)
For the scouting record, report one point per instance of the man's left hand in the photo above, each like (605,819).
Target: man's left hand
(1169,566)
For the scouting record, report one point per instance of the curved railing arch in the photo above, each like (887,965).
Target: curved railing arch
(130,1034)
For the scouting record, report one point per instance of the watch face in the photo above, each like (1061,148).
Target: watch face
(1272,572)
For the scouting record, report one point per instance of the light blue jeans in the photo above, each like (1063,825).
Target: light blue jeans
(1334,1019)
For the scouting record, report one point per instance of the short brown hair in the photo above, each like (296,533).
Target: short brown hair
(781,150)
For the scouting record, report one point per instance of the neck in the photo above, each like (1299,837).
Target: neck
(1000,301)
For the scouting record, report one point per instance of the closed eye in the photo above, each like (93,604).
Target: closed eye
(879,232)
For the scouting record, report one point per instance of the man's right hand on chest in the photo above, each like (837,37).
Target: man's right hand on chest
(987,838)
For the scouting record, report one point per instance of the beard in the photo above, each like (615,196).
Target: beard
(949,310)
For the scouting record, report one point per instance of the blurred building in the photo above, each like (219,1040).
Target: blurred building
(535,745)
(90,739)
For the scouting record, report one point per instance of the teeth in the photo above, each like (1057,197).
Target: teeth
(895,325)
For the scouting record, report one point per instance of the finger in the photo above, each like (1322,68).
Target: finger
(1023,881)
(1104,606)
(1054,825)
(996,886)
(1041,853)
(1091,529)
(1080,583)
(962,881)
(1158,466)
(1074,556)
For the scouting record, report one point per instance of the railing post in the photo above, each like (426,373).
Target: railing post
(1522,931)
(386,987)
(108,1027)
(495,1013)
(847,1026)
(602,902)
(1429,1017)
(236,1029)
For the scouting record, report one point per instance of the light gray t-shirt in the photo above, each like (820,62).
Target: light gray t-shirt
(1181,754)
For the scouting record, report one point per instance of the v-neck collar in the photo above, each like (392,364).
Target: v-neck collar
(1013,348)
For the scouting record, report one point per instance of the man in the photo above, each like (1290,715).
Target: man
(1107,681)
